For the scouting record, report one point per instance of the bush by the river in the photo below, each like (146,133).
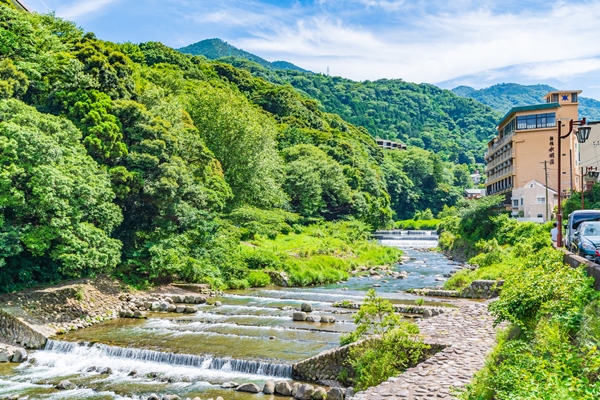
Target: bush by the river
(549,349)
(390,345)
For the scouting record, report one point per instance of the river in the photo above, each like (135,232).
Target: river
(250,337)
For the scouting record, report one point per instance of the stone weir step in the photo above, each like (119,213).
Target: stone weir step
(253,367)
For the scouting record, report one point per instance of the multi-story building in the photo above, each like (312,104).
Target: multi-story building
(528,137)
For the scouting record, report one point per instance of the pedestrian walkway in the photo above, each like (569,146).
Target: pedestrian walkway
(469,335)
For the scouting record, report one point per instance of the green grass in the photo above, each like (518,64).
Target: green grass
(419,225)
(319,254)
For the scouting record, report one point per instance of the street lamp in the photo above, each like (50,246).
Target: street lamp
(583,133)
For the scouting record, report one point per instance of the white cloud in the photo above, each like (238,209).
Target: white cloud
(434,48)
(81,8)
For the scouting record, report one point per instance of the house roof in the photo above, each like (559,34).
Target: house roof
(542,106)
(539,184)
(20,5)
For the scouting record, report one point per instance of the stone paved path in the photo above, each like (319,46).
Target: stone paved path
(469,333)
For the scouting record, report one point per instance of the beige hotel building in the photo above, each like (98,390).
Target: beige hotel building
(528,136)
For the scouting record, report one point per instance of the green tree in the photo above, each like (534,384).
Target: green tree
(243,140)
(55,201)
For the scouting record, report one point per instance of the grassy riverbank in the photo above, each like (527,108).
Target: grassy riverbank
(549,349)
(316,254)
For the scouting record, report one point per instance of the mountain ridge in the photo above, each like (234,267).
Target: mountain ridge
(216,48)
(504,96)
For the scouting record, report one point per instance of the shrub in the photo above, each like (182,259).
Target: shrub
(238,284)
(258,279)
(395,348)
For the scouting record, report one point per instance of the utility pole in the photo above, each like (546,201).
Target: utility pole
(582,203)
(546,175)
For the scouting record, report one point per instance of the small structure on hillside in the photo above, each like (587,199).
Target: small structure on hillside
(390,145)
(471,194)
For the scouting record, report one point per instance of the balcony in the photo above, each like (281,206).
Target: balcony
(505,156)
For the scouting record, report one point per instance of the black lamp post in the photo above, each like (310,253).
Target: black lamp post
(583,133)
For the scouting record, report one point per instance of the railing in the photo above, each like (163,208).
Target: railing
(502,173)
(507,155)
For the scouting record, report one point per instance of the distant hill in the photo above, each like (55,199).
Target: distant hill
(216,48)
(505,96)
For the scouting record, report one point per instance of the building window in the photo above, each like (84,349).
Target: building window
(521,201)
(540,216)
(536,121)
(541,199)
(554,98)
(573,97)
(516,203)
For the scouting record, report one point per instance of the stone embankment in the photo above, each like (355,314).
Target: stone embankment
(84,302)
(424,311)
(469,335)
(480,289)
(137,306)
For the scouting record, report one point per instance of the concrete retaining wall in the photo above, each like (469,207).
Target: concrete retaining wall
(592,268)
(18,332)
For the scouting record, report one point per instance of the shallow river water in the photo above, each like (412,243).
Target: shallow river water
(249,338)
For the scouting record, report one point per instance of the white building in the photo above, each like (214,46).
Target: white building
(529,202)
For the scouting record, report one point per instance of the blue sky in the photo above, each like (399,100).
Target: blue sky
(448,43)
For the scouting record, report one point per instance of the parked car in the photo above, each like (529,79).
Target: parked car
(576,218)
(586,240)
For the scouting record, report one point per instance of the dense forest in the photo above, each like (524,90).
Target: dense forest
(139,160)
(420,115)
(505,96)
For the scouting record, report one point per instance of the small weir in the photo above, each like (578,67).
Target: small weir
(250,337)
(188,360)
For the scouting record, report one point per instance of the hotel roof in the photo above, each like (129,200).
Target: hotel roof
(514,110)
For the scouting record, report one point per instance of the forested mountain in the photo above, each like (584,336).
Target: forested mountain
(216,48)
(505,96)
(153,164)
(420,115)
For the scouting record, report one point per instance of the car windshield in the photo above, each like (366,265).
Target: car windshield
(590,229)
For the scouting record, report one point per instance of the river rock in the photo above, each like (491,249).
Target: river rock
(328,319)
(248,387)
(176,299)
(180,309)
(295,388)
(313,318)
(269,387)
(139,314)
(171,308)
(299,316)
(155,306)
(19,356)
(218,304)
(189,299)
(230,385)
(319,394)
(164,306)
(283,388)
(279,278)
(6,354)
(190,310)
(65,385)
(132,373)
(305,392)
(153,396)
(306,307)
(349,392)
(170,397)
(335,394)
(106,371)
(200,300)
